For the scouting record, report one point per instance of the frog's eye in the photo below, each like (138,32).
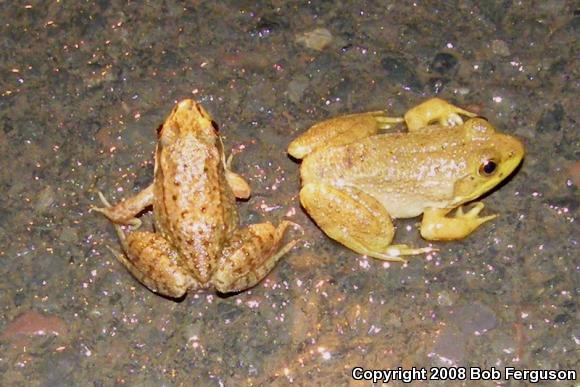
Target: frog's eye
(487,168)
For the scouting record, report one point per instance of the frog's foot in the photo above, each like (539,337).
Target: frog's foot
(437,226)
(435,111)
(250,255)
(112,215)
(155,263)
(355,219)
(125,212)
(340,131)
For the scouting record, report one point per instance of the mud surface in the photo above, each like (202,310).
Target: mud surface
(84,86)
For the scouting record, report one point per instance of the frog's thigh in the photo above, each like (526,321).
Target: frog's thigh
(351,217)
(250,256)
(340,131)
(437,226)
(154,262)
(434,110)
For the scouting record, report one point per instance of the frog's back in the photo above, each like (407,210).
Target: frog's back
(388,158)
(406,172)
(194,206)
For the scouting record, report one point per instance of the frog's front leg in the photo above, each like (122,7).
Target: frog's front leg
(340,131)
(434,111)
(125,212)
(237,183)
(356,220)
(437,226)
(250,255)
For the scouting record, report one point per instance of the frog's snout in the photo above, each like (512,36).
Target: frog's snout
(513,155)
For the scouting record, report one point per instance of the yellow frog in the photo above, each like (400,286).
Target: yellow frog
(197,243)
(355,179)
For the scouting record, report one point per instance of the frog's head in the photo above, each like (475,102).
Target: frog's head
(490,156)
(188,117)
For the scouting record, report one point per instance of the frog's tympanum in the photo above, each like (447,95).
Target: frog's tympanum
(356,179)
(197,243)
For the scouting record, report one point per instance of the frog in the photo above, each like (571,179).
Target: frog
(196,243)
(356,176)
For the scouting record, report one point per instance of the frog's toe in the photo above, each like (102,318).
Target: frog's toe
(396,253)
(384,121)
(474,212)
(453,119)
(103,200)
(436,226)
(135,223)
(110,214)
(102,210)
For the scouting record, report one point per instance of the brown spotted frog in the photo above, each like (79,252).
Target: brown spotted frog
(355,179)
(197,242)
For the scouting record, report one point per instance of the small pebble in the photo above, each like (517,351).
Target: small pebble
(32,323)
(449,349)
(574,173)
(499,47)
(69,235)
(44,199)
(296,88)
(317,39)
(445,63)
(400,71)
(474,318)
(444,299)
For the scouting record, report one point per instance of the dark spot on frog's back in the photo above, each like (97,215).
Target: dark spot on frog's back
(349,156)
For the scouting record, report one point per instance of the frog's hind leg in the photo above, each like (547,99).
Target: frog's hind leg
(250,255)
(434,111)
(154,262)
(340,131)
(125,212)
(356,220)
(151,259)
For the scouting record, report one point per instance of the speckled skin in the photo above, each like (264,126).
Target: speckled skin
(197,243)
(355,180)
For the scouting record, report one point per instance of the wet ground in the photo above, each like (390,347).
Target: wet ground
(84,87)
